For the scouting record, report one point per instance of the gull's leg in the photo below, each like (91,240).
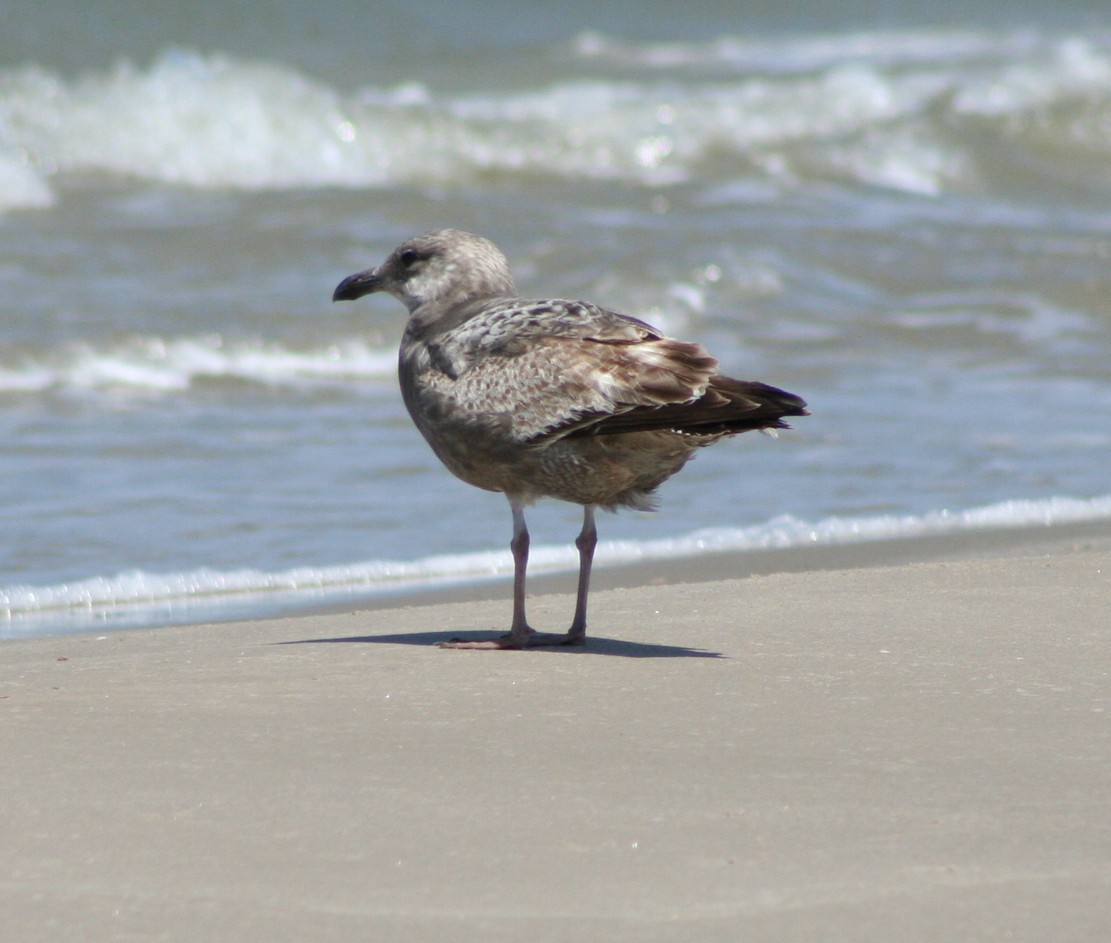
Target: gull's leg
(519,631)
(520,634)
(586,542)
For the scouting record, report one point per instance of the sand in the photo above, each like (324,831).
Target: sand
(914,752)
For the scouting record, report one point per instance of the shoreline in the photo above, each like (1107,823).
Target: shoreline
(963,544)
(985,543)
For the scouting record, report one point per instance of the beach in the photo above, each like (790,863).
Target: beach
(850,751)
(849,685)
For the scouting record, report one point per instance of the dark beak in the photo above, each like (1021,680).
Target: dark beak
(357,285)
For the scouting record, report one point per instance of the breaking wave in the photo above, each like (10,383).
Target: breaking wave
(905,111)
(154,365)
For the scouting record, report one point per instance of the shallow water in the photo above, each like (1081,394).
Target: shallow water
(905,220)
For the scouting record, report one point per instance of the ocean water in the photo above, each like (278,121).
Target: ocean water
(900,211)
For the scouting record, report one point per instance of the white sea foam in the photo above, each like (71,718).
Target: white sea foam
(797,54)
(138,595)
(21,187)
(154,365)
(885,109)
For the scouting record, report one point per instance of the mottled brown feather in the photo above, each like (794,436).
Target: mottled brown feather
(551,397)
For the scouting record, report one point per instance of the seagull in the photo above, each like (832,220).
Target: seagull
(550,398)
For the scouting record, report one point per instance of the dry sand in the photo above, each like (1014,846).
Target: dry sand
(918,752)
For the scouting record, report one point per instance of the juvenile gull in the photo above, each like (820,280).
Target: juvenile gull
(550,399)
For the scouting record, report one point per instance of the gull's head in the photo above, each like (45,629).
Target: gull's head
(443,267)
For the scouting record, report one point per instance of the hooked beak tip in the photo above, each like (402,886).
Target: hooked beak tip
(357,285)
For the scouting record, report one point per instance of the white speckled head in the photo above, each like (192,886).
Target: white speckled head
(441,268)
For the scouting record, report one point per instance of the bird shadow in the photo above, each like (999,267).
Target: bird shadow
(593,646)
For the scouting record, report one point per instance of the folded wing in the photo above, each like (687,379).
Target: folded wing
(586,371)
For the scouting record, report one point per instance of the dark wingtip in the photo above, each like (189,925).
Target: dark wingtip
(791,404)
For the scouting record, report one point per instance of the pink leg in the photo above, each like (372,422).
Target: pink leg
(521,635)
(586,542)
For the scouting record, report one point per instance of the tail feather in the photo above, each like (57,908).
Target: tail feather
(728,407)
